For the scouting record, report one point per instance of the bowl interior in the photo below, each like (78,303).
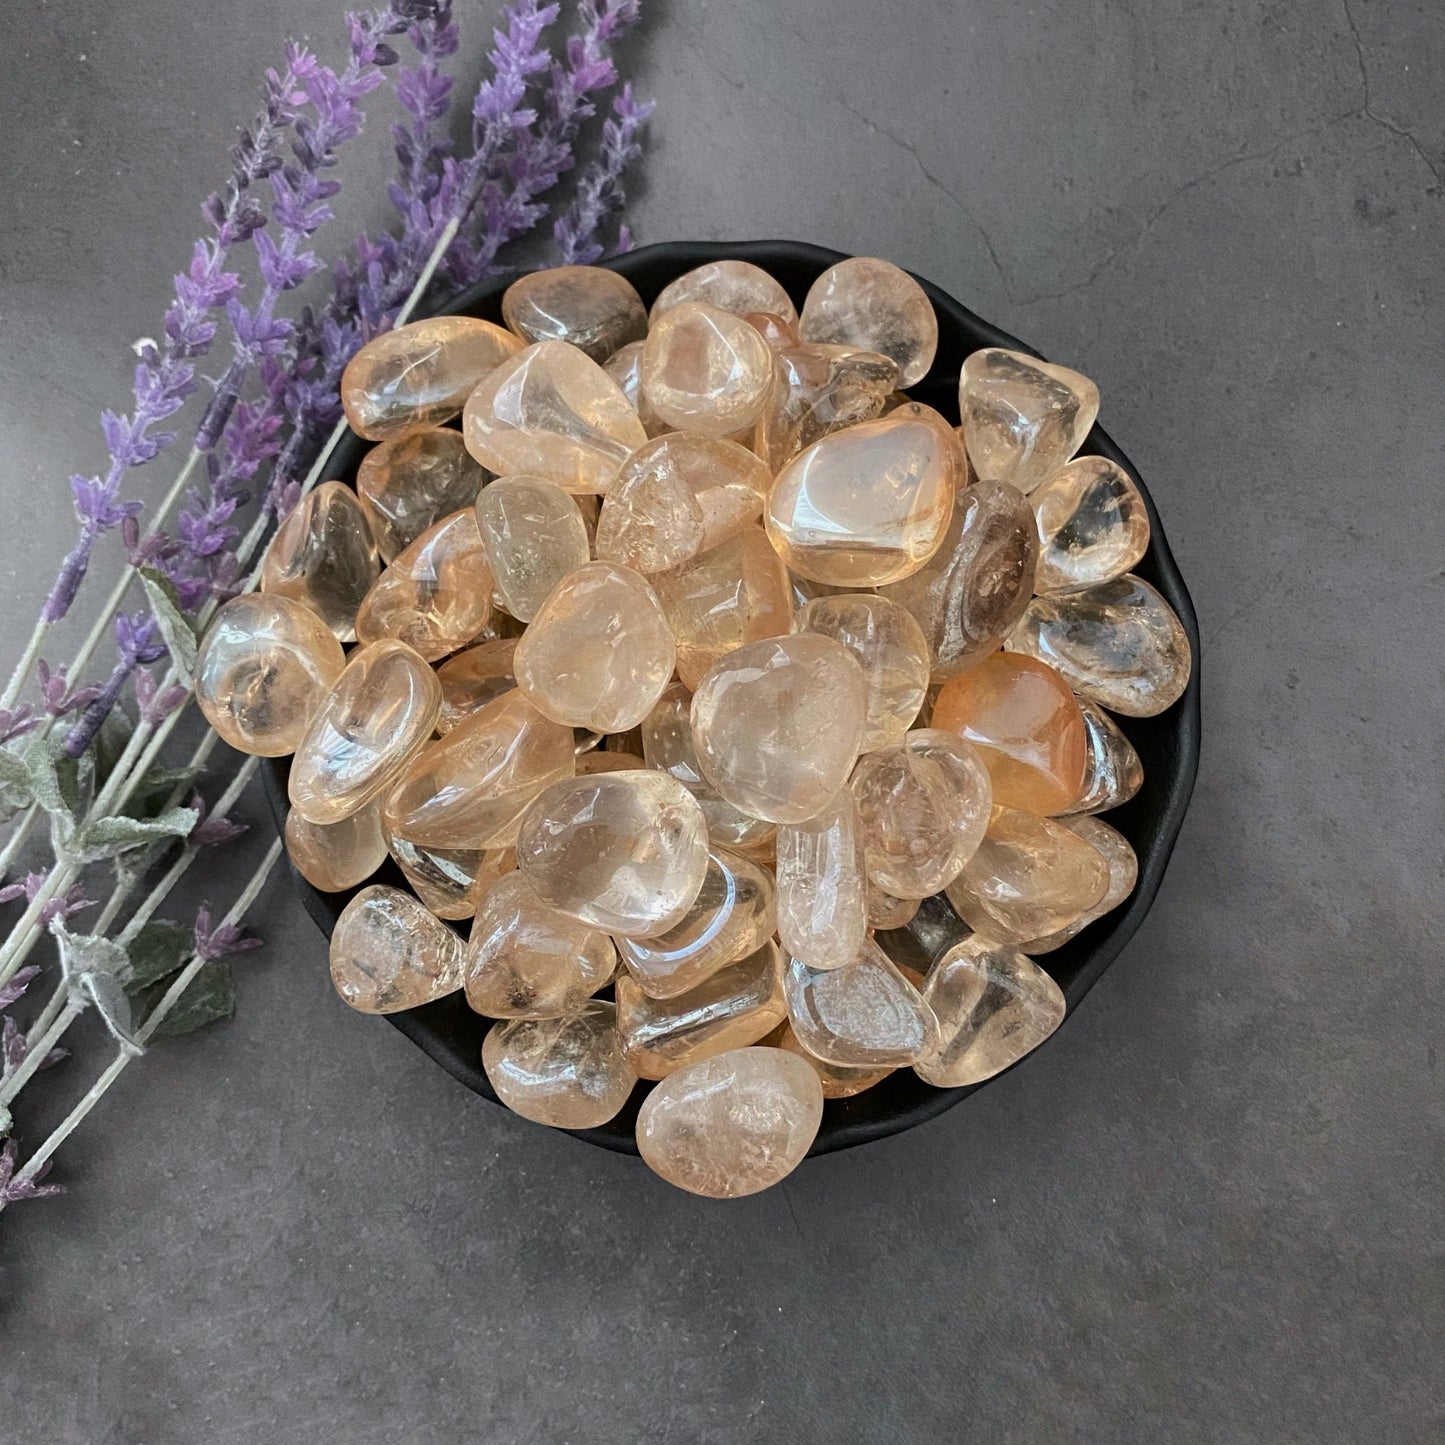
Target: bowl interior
(452,1034)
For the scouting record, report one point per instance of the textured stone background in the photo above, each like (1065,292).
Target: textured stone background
(1210,1210)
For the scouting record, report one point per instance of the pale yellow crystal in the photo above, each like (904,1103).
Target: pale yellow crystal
(1093,525)
(1118,853)
(818,390)
(323,556)
(388,953)
(378,715)
(706,370)
(590,307)
(993,1004)
(624,366)
(886,912)
(1113,772)
(599,651)
(534,537)
(871,304)
(336,856)
(552,412)
(408,485)
(445,879)
(776,329)
(473,678)
(600,761)
(736,286)
(565,1072)
(838,1081)
(263,668)
(822,909)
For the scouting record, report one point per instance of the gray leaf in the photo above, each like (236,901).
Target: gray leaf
(16,790)
(209,997)
(93,970)
(108,837)
(175,627)
(157,951)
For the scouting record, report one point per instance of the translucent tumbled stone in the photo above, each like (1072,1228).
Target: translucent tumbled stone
(469,788)
(588,307)
(408,485)
(727,596)
(1022,418)
(380,712)
(624,366)
(923,805)
(336,856)
(818,390)
(526,960)
(737,1004)
(865,1014)
(599,761)
(677,496)
(973,590)
(419,375)
(867,505)
(1113,772)
(736,286)
(323,556)
(822,906)
(776,329)
(1030,877)
(263,668)
(1093,525)
(552,412)
(566,1072)
(445,879)
(872,304)
(599,651)
(994,1005)
(890,648)
(839,1081)
(732,916)
(777,724)
(885,911)
(436,596)
(625,852)
(706,370)
(534,536)
(473,678)
(1026,725)
(1118,853)
(388,953)
(1117,643)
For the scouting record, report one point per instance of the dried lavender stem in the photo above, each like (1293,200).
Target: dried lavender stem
(36,1056)
(19,838)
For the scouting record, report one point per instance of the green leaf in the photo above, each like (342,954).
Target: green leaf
(209,997)
(157,785)
(16,790)
(158,951)
(110,743)
(54,777)
(108,837)
(175,627)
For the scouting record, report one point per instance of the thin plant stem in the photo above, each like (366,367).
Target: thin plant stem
(19,838)
(37,1055)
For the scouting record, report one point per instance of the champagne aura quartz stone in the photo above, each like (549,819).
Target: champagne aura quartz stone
(870,504)
(419,376)
(1123,864)
(1030,877)
(818,390)
(1093,525)
(667,745)
(1022,418)
(336,856)
(706,370)
(923,806)
(263,668)
(624,366)
(323,557)
(553,413)
(565,1072)
(436,596)
(839,1081)
(777,725)
(599,651)
(994,1005)
(602,761)
(737,1004)
(447,880)
(1113,772)
(885,911)
(408,485)
(677,496)
(534,537)
(1023,719)
(472,679)
(821,886)
(732,916)
(526,960)
(380,712)
(730,595)
(865,1015)
(971,593)
(735,286)
(388,953)
(733,1124)
(775,328)
(890,648)
(625,852)
(469,788)
(871,304)
(589,307)
(1118,644)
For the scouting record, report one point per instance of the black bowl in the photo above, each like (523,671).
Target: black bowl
(452,1034)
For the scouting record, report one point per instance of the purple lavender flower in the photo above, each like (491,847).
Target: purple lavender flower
(221,941)
(137,644)
(208,832)
(15,722)
(62,906)
(13,991)
(12,1192)
(154,702)
(599,191)
(56,693)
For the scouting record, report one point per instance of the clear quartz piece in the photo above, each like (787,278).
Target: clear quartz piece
(380,712)
(534,537)
(822,902)
(589,307)
(993,1004)
(1093,525)
(818,390)
(264,666)
(445,879)
(408,485)
(871,304)
(323,557)
(735,286)
(1118,853)
(775,328)
(706,370)
(336,856)
(473,678)
(388,953)
(1113,772)
(624,366)
(838,1081)
(886,912)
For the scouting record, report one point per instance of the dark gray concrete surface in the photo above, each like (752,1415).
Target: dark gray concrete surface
(1209,1211)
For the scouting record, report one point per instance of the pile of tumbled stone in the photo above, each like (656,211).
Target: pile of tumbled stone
(696,658)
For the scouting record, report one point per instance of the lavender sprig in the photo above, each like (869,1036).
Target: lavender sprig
(137,644)
(600,191)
